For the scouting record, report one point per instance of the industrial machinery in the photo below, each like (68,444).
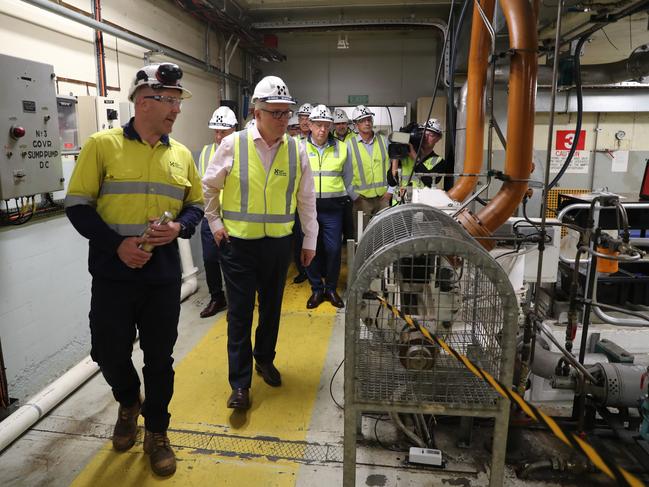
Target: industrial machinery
(424,263)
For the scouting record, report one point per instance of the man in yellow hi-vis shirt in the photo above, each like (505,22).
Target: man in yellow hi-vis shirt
(223,122)
(124,180)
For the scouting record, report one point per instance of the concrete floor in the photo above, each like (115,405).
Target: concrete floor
(76,433)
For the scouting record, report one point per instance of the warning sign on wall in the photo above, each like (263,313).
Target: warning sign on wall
(563,142)
(565,139)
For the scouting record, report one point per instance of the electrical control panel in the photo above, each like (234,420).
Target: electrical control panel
(68,125)
(96,113)
(30,157)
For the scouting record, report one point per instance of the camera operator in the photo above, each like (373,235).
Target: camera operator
(427,162)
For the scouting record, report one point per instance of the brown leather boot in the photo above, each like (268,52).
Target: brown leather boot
(126,426)
(161,456)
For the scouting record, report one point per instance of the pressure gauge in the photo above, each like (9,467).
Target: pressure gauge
(620,134)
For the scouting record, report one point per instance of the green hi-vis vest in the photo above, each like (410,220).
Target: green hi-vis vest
(370,173)
(257,203)
(130,182)
(407,166)
(328,169)
(206,156)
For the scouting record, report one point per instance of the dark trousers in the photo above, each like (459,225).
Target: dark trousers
(348,220)
(298,238)
(211,261)
(253,267)
(117,309)
(326,263)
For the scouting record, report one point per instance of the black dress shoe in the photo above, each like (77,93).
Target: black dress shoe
(214,306)
(333,298)
(315,300)
(239,399)
(301,277)
(270,374)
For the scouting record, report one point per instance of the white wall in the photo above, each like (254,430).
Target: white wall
(44,282)
(392,68)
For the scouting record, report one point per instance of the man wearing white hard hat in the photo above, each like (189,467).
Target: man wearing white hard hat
(293,128)
(332,171)
(124,181)
(427,161)
(341,125)
(371,163)
(265,178)
(223,122)
(303,116)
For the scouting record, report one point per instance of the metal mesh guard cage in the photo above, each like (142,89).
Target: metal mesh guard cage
(423,262)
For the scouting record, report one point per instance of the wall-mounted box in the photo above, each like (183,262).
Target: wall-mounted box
(30,145)
(96,113)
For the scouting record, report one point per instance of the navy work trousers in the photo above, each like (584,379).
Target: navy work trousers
(326,263)
(117,309)
(211,262)
(253,267)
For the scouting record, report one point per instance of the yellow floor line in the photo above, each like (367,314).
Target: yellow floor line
(198,405)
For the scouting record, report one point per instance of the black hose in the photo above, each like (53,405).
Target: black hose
(580,111)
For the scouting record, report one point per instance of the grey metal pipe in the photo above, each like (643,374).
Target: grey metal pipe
(127,36)
(634,67)
(460,129)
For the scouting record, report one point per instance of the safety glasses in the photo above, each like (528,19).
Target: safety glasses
(169,100)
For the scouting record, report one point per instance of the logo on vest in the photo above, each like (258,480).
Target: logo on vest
(280,172)
(175,164)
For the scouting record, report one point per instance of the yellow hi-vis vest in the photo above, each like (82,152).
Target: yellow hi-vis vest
(257,203)
(408,165)
(328,168)
(129,182)
(370,173)
(206,156)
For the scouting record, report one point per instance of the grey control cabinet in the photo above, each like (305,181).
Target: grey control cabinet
(30,159)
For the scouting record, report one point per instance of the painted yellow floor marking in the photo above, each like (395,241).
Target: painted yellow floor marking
(201,390)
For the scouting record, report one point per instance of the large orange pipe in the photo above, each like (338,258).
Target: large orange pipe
(476,79)
(520,123)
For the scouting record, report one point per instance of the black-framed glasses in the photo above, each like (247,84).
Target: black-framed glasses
(169,100)
(277,115)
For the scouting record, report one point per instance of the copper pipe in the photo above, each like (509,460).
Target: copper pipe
(476,79)
(521,24)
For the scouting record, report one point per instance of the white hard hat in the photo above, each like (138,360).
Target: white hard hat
(222,119)
(434,125)
(251,123)
(272,89)
(340,116)
(360,112)
(293,121)
(321,113)
(159,76)
(305,109)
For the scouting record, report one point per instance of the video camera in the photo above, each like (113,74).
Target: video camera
(410,134)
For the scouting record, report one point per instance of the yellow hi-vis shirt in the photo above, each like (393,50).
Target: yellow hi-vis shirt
(370,173)
(129,182)
(257,203)
(206,156)
(328,169)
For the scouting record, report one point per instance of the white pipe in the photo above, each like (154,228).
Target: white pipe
(42,403)
(190,282)
(39,405)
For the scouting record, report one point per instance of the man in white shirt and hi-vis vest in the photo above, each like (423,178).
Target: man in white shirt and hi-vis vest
(223,122)
(124,179)
(341,126)
(265,178)
(371,164)
(332,172)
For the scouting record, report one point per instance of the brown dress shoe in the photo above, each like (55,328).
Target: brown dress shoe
(270,374)
(315,300)
(239,399)
(333,298)
(161,456)
(126,426)
(214,306)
